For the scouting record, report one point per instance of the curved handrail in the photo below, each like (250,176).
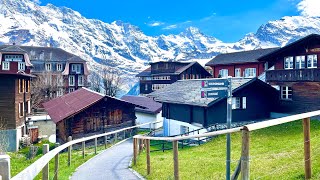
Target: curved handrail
(35,168)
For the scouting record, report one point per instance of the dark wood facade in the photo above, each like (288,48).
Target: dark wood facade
(301,77)
(106,115)
(14,89)
(260,102)
(161,74)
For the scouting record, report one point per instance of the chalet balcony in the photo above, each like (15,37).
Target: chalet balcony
(293,75)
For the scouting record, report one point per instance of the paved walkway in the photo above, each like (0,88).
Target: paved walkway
(111,164)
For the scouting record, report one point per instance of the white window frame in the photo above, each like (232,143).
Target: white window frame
(5,65)
(314,61)
(76,68)
(60,92)
(224,73)
(236,103)
(48,66)
(59,67)
(72,80)
(146,87)
(288,62)
(21,66)
(300,62)
(29,106)
(250,72)
(237,72)
(80,80)
(286,92)
(71,90)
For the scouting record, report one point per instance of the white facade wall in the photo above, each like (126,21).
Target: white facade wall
(145,118)
(175,127)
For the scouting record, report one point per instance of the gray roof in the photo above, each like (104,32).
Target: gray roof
(12,49)
(146,72)
(150,105)
(240,57)
(189,92)
(41,53)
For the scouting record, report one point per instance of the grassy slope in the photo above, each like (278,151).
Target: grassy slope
(19,161)
(276,153)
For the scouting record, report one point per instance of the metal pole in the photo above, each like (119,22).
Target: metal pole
(229,119)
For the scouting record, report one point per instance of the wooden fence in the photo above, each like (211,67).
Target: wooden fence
(42,163)
(141,141)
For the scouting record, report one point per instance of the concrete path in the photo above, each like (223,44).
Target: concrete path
(111,164)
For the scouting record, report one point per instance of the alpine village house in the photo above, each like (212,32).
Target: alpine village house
(162,74)
(15,94)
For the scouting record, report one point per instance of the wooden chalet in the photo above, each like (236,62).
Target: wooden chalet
(240,64)
(161,74)
(84,112)
(15,101)
(60,68)
(253,100)
(296,72)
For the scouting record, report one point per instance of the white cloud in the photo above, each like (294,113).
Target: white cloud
(173,26)
(309,7)
(155,23)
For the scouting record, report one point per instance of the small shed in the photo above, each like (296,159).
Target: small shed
(151,112)
(85,112)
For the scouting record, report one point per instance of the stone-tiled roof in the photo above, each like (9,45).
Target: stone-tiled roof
(240,57)
(152,106)
(189,92)
(12,49)
(144,73)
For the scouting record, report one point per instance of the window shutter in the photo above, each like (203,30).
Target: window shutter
(244,102)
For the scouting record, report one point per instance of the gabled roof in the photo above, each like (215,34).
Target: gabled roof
(152,106)
(12,49)
(305,40)
(189,92)
(240,57)
(72,103)
(146,72)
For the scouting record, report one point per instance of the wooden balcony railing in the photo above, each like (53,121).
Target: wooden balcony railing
(293,75)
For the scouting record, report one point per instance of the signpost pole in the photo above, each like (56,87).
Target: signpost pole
(229,119)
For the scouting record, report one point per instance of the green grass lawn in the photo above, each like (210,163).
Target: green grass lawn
(19,161)
(275,152)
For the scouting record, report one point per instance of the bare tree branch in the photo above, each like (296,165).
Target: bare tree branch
(111,81)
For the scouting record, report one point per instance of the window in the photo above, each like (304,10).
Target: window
(223,72)
(182,76)
(16,58)
(300,62)
(236,103)
(288,62)
(48,66)
(27,86)
(197,76)
(21,66)
(71,90)
(312,61)
(21,109)
(60,92)
(250,72)
(28,107)
(237,72)
(286,92)
(146,87)
(76,68)
(5,65)
(60,80)
(80,81)
(71,80)
(21,84)
(59,67)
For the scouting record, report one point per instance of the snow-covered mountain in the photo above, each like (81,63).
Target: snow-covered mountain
(125,46)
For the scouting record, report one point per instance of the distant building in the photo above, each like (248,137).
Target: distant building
(68,71)
(15,95)
(296,73)
(240,64)
(151,112)
(162,74)
(184,110)
(84,113)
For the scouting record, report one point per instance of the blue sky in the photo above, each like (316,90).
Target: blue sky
(227,20)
